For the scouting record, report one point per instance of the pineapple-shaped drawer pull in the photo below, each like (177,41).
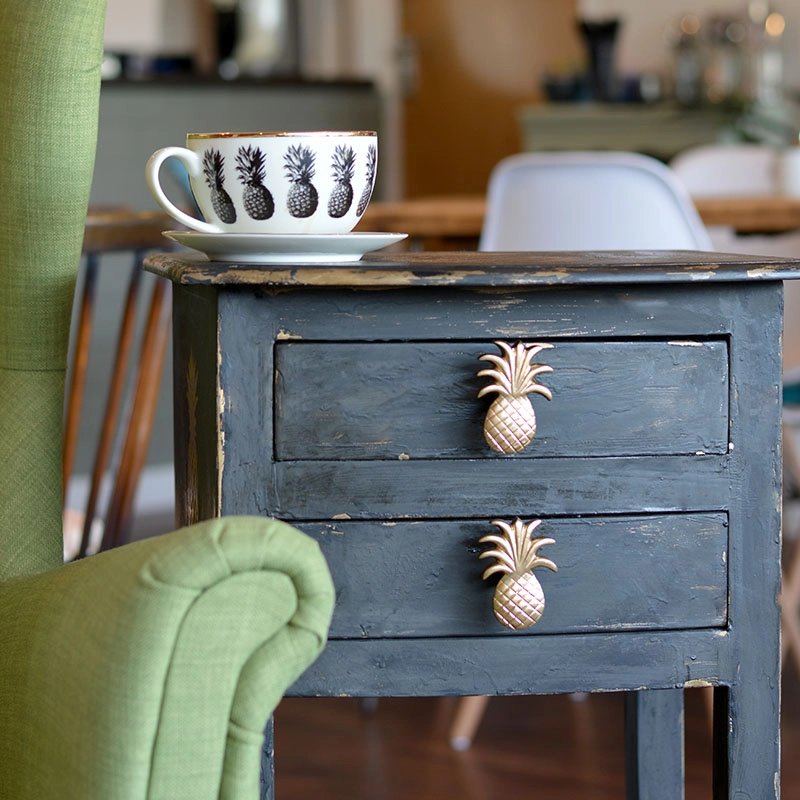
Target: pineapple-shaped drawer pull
(518,597)
(510,422)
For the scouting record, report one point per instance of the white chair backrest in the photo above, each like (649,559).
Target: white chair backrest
(747,170)
(720,170)
(589,201)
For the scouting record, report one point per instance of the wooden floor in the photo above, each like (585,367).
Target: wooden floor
(550,748)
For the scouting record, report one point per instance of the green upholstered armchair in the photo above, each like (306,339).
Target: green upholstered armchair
(148,671)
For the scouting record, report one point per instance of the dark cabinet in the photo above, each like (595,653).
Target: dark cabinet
(344,399)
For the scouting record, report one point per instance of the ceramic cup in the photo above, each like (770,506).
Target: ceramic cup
(317,182)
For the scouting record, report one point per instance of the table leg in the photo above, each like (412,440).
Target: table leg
(268,762)
(654,744)
(747,741)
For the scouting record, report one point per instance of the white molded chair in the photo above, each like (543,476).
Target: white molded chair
(589,201)
(581,201)
(727,170)
(750,170)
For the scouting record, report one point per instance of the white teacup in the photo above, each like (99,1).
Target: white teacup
(317,182)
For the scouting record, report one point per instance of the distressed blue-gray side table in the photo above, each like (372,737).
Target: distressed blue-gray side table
(598,509)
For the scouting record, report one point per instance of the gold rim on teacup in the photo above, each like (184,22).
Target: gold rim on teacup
(235,135)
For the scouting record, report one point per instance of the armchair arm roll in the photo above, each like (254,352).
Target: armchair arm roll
(149,671)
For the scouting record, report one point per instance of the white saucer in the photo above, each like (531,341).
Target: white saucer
(263,248)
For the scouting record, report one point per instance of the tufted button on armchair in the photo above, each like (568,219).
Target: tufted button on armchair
(148,671)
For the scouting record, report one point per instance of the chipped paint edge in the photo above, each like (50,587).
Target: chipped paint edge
(220,430)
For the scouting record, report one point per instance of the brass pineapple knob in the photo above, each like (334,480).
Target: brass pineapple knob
(518,597)
(510,422)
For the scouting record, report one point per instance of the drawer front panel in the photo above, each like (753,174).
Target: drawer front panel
(423,579)
(465,488)
(338,401)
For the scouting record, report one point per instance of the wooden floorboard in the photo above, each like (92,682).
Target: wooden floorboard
(543,747)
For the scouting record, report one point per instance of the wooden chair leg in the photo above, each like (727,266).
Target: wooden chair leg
(114,401)
(128,234)
(140,422)
(467,719)
(80,364)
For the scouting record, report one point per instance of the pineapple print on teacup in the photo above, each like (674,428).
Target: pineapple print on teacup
(372,163)
(256,198)
(343,168)
(303,198)
(214,169)
(274,183)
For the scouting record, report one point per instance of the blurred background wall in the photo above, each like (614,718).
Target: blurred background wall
(459,68)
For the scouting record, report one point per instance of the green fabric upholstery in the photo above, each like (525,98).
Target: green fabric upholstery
(30,477)
(149,671)
(50,56)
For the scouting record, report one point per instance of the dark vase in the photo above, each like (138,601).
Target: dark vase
(600,40)
(227,22)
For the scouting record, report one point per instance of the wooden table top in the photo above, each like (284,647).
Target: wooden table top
(445,216)
(461,217)
(768,214)
(472,269)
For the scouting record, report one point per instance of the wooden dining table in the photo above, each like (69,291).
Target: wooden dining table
(767,214)
(453,222)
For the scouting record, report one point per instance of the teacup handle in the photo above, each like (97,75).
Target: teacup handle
(194,165)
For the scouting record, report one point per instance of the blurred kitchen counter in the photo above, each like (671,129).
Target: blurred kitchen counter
(661,129)
(139,116)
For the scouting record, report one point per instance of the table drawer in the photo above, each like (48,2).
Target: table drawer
(615,573)
(418,400)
